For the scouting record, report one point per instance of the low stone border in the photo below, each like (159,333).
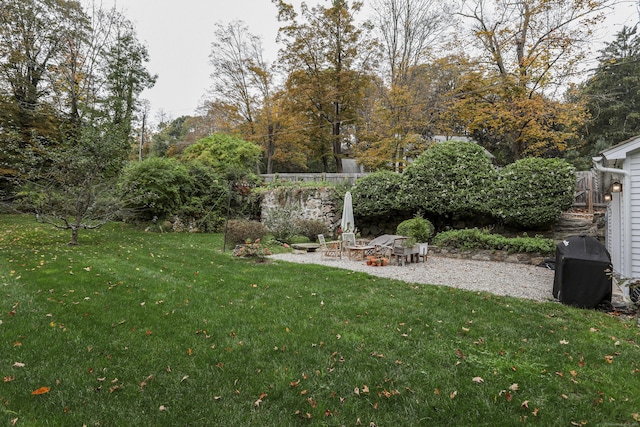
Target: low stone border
(488,255)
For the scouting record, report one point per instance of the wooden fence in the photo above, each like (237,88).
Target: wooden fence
(314,177)
(587,191)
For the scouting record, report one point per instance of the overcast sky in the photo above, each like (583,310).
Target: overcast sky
(179,34)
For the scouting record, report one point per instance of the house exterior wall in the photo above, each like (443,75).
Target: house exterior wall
(613,236)
(634,168)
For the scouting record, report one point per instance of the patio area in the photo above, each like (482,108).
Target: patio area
(499,278)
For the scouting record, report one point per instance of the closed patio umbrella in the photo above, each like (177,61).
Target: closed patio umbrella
(347,224)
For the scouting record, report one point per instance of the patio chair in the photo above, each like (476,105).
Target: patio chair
(330,249)
(348,241)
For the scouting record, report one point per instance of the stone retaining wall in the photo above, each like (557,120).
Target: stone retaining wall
(304,203)
(488,255)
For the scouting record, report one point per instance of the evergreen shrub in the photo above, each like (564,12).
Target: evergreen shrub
(451,179)
(474,239)
(533,192)
(417,228)
(153,189)
(377,194)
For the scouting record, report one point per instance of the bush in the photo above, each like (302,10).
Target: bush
(417,228)
(377,194)
(451,179)
(153,189)
(205,198)
(533,192)
(225,154)
(310,228)
(239,231)
(280,222)
(472,239)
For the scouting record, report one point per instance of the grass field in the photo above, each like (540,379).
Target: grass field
(134,328)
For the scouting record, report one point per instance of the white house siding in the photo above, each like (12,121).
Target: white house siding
(634,168)
(613,235)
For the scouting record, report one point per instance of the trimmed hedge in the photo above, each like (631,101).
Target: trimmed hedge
(377,194)
(472,239)
(450,179)
(456,180)
(533,192)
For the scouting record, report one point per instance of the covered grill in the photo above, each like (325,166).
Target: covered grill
(583,272)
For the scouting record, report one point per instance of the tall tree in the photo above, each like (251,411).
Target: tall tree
(326,57)
(35,38)
(529,50)
(411,33)
(244,85)
(612,93)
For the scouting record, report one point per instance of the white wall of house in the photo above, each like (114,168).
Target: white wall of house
(633,162)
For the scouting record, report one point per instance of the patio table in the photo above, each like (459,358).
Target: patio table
(359,252)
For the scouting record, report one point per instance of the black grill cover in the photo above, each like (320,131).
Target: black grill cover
(582,276)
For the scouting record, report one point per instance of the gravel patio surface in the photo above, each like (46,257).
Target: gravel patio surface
(499,278)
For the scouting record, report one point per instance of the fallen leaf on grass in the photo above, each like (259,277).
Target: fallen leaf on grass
(478,380)
(564,342)
(513,387)
(525,404)
(18,365)
(41,390)
(8,379)
(453,395)
(609,359)
(162,408)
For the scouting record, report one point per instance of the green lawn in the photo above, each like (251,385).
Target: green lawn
(135,328)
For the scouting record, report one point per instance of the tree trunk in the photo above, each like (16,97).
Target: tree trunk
(337,145)
(74,236)
(271,148)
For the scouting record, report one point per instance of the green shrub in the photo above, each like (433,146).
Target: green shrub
(153,189)
(451,179)
(225,154)
(377,194)
(533,192)
(281,223)
(417,228)
(239,231)
(310,228)
(205,198)
(473,239)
